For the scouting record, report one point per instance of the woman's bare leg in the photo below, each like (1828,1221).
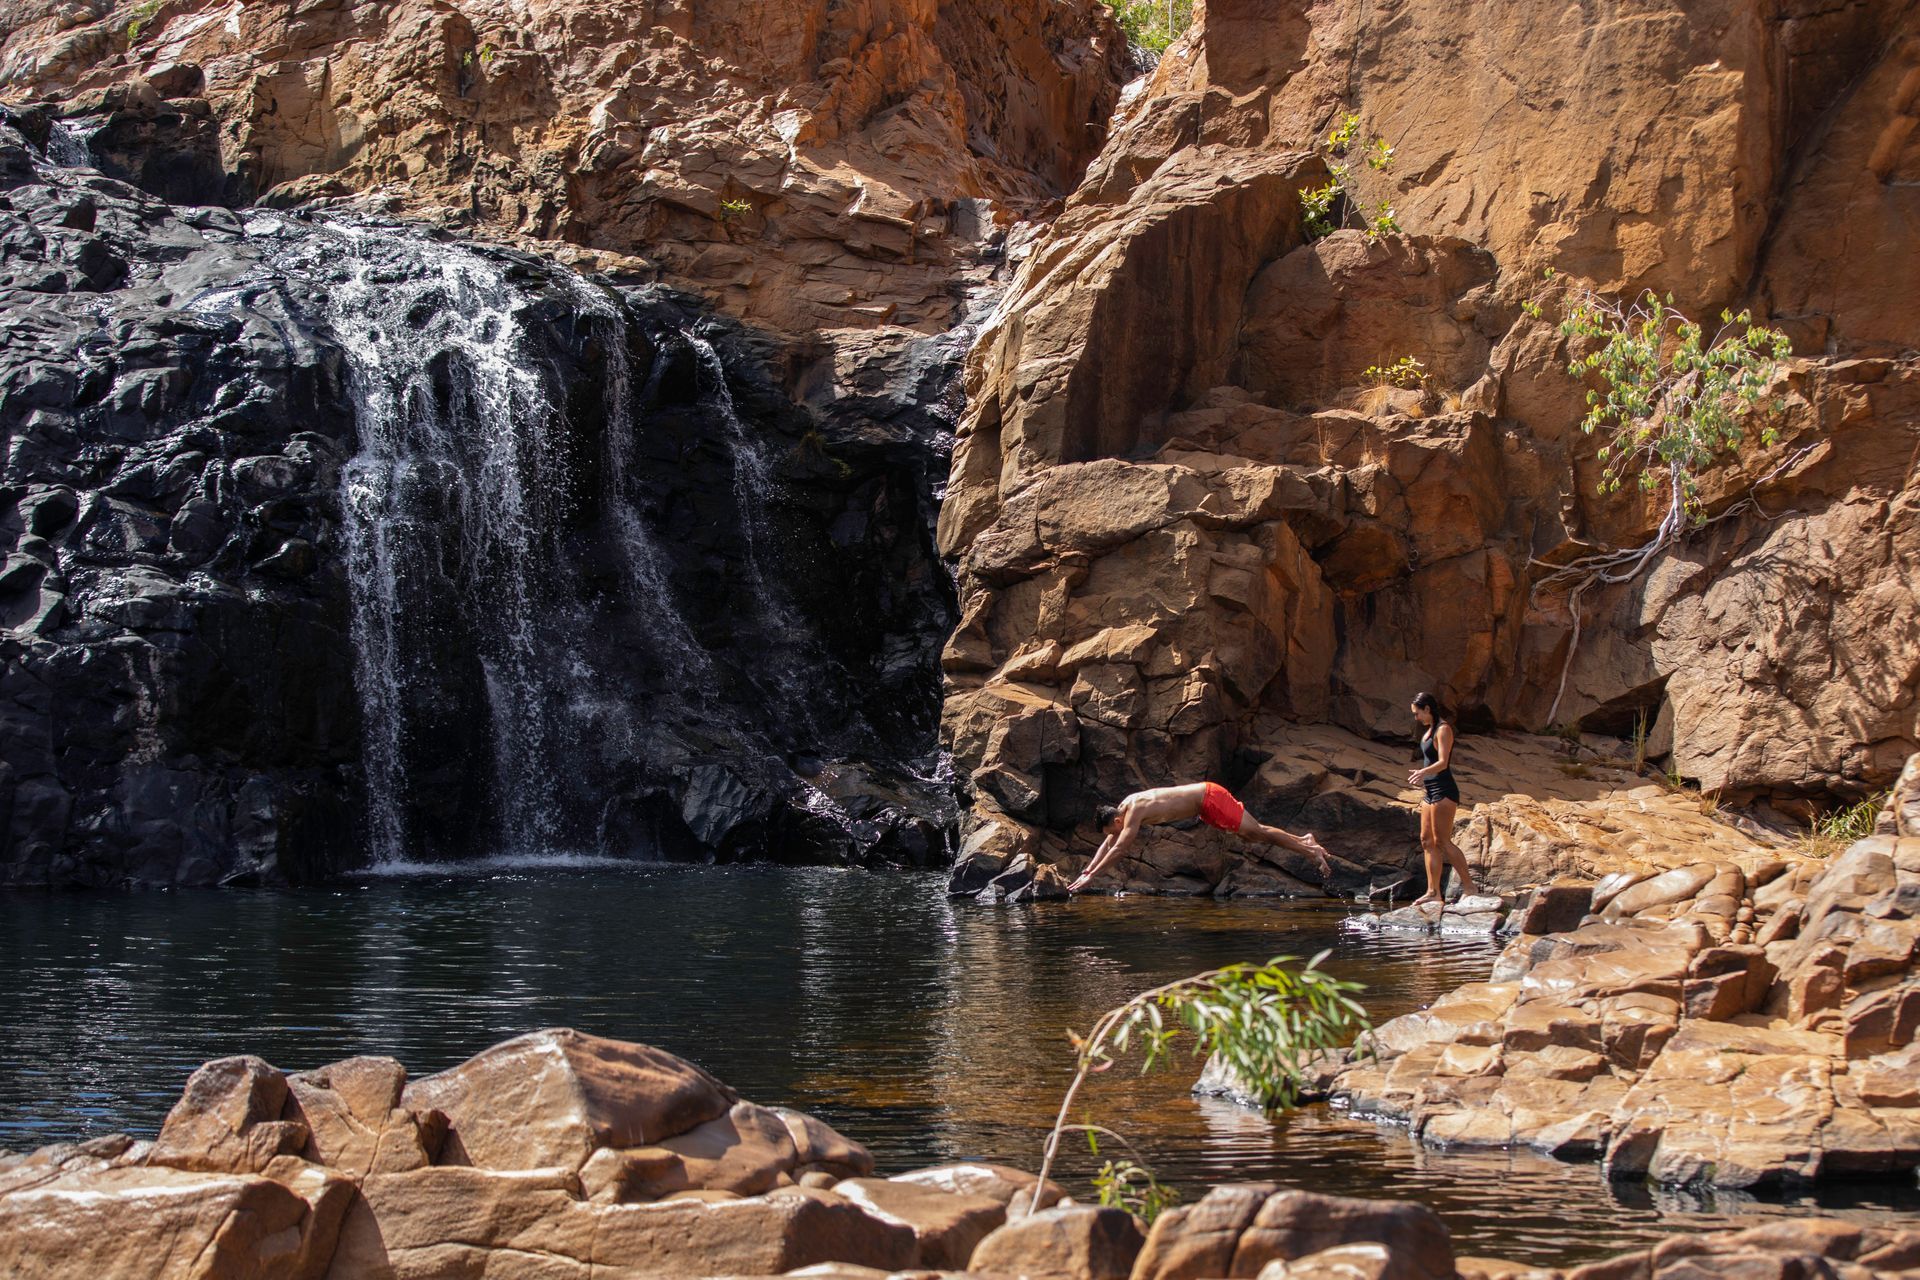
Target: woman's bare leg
(1443,814)
(1430,854)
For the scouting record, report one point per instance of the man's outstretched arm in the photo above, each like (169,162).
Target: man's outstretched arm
(1112,847)
(1099,860)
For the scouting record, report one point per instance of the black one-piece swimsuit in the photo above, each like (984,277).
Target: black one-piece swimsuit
(1440,786)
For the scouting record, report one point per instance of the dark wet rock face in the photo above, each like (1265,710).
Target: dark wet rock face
(333,541)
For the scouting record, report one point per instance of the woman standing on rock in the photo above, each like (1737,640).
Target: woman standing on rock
(1442,800)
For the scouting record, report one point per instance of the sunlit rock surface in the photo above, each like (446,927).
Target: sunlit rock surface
(563,1154)
(807,166)
(1184,527)
(1707,1024)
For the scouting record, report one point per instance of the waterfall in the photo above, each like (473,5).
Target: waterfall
(530,680)
(66,148)
(642,560)
(458,463)
(785,668)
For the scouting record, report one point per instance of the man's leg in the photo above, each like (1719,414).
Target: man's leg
(1254,829)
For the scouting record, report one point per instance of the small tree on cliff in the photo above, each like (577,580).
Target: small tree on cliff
(1325,209)
(1267,1024)
(1152,25)
(1672,403)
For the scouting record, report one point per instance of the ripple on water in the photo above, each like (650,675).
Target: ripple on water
(929,1030)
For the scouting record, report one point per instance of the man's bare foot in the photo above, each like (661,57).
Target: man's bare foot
(1420,903)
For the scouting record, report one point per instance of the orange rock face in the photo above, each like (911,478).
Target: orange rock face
(1172,436)
(811,165)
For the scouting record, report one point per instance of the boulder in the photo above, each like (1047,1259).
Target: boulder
(945,1223)
(1079,1242)
(228,1120)
(1012,1187)
(1239,1230)
(550,1099)
(167,1223)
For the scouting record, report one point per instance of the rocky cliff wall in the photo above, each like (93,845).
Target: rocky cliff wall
(1181,526)
(811,165)
(424,546)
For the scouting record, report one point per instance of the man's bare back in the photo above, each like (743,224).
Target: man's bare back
(1208,801)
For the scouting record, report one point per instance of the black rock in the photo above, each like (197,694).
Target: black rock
(651,586)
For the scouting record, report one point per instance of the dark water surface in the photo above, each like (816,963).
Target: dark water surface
(926,1029)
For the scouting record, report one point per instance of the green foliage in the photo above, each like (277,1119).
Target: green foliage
(487,53)
(815,443)
(1266,1023)
(142,14)
(1153,24)
(1850,823)
(731,209)
(1318,204)
(1316,210)
(1122,1184)
(1404,372)
(1673,399)
(1639,741)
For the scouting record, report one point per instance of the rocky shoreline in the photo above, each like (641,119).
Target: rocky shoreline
(562,1155)
(1702,1024)
(1706,1024)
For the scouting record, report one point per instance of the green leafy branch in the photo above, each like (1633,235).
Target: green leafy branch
(1266,1023)
(1152,25)
(141,16)
(1318,205)
(1672,401)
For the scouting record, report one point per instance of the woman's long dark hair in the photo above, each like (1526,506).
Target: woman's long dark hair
(1427,702)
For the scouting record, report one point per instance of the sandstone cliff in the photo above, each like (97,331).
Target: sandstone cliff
(808,165)
(1181,531)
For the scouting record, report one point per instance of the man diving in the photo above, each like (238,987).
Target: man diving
(1212,803)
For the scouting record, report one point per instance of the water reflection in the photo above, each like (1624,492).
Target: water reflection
(929,1030)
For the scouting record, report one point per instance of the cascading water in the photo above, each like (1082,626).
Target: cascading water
(571,589)
(452,488)
(67,148)
(641,559)
(784,668)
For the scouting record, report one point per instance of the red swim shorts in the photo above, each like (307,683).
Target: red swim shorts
(1219,809)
